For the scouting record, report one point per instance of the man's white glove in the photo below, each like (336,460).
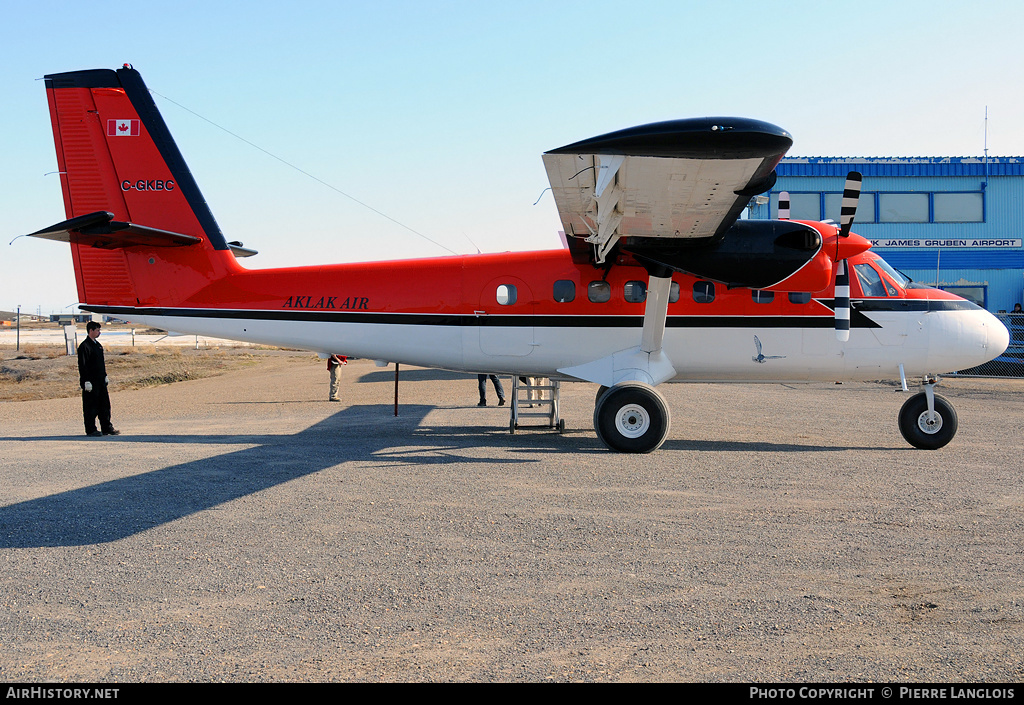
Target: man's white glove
(88,386)
(106,380)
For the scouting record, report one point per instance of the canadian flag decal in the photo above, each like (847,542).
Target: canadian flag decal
(123,128)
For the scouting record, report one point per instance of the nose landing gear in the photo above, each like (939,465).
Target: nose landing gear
(927,420)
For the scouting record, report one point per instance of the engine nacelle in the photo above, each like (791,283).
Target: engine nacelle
(757,254)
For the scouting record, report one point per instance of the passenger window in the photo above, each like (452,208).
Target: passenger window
(870,280)
(760,296)
(506,294)
(673,293)
(703,292)
(799,297)
(564,291)
(599,292)
(635,292)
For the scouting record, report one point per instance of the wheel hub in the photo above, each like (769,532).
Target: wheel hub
(929,426)
(632,421)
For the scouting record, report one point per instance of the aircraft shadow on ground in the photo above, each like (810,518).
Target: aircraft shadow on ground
(414,375)
(124,507)
(112,510)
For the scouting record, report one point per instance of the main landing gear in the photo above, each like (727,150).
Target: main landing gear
(631,417)
(927,420)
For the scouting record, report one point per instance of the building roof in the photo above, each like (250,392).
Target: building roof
(901,166)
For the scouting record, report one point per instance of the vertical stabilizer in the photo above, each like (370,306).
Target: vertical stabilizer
(116,154)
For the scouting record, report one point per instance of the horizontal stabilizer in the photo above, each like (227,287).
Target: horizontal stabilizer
(100,230)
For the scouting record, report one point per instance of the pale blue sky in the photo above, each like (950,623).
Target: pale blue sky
(436,113)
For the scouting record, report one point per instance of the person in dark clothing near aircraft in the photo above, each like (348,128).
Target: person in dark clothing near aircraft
(482,383)
(1016,323)
(92,377)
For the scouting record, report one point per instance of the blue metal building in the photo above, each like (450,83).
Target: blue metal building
(953,222)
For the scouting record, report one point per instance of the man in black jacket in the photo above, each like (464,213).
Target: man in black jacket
(92,377)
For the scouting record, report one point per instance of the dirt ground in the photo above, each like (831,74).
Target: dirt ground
(46,372)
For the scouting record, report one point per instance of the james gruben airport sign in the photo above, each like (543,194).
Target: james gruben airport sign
(948,242)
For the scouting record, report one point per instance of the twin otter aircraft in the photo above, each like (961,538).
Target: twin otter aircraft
(658,281)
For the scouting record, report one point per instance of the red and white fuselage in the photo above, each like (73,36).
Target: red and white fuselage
(445,313)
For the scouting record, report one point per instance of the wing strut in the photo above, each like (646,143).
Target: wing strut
(655,313)
(645,362)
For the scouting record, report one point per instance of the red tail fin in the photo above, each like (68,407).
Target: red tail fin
(116,154)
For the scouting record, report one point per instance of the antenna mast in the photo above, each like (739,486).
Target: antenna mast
(986,147)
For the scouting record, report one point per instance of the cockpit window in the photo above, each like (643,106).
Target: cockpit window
(897,276)
(870,280)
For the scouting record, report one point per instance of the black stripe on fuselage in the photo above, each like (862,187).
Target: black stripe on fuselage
(459,320)
(869,305)
(916,305)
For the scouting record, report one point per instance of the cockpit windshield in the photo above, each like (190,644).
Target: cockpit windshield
(900,279)
(870,280)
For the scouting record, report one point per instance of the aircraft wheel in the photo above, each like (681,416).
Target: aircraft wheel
(600,393)
(925,434)
(632,418)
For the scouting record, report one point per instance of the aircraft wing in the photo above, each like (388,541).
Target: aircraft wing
(681,179)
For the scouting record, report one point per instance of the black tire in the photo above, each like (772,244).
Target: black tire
(918,431)
(600,393)
(632,418)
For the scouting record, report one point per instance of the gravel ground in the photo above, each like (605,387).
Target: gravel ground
(244,529)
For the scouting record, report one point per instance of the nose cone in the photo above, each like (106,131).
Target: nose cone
(963,339)
(998,336)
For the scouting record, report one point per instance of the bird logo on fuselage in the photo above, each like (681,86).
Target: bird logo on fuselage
(761,357)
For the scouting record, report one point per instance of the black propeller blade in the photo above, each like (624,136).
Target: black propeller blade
(851,196)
